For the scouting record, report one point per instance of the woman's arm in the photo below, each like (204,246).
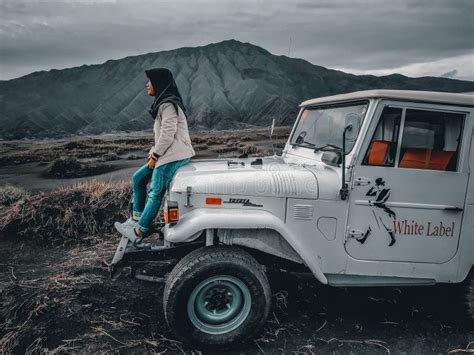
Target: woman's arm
(169,125)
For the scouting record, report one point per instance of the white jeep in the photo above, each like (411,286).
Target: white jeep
(373,188)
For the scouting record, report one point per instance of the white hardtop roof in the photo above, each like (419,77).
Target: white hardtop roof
(466,99)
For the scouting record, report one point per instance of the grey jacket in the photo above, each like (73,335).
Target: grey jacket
(172,141)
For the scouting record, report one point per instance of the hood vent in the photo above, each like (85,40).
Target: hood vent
(303,212)
(283,183)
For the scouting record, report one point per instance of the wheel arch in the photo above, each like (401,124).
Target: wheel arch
(226,221)
(264,241)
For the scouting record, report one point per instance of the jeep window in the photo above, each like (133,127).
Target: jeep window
(383,146)
(431,140)
(323,125)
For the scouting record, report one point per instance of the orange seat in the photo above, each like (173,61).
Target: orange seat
(378,152)
(440,159)
(426,159)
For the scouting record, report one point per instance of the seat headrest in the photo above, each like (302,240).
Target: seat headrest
(418,138)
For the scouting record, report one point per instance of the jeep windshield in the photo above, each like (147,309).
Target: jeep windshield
(320,128)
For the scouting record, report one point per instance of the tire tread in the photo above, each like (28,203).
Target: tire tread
(203,257)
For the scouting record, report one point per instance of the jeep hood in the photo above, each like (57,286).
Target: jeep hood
(273,178)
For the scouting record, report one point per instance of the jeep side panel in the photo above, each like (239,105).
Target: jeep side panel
(411,221)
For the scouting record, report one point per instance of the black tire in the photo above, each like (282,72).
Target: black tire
(203,266)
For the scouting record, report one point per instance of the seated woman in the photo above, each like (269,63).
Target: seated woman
(172,149)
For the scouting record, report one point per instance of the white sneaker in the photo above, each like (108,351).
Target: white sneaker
(127,230)
(130,221)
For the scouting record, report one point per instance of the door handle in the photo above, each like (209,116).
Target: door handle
(354,233)
(454,209)
(362,181)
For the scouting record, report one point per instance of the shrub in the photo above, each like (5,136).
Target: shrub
(65,167)
(10,194)
(199,147)
(223,149)
(108,157)
(75,145)
(198,139)
(82,212)
(134,157)
(248,149)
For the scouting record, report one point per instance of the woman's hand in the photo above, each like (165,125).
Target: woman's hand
(152,159)
(151,163)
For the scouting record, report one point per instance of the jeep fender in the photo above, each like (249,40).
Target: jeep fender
(192,223)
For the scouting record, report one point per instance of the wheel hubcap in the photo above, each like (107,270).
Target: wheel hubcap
(219,304)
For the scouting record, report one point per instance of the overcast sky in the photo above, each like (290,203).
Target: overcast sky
(415,38)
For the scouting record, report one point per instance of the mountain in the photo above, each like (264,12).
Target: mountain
(224,85)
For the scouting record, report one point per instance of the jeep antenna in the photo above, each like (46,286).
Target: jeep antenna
(283,87)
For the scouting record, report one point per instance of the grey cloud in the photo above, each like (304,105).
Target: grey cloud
(361,34)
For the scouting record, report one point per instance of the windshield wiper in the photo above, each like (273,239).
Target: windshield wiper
(304,144)
(300,142)
(323,148)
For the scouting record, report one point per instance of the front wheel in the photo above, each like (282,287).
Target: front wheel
(216,295)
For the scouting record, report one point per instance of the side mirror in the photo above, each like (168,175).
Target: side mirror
(352,120)
(333,158)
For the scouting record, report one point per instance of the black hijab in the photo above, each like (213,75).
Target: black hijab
(165,90)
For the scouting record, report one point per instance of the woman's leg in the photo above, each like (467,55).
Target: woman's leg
(139,181)
(160,180)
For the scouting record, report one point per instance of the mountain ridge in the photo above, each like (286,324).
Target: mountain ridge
(224,85)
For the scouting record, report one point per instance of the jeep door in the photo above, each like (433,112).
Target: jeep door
(409,184)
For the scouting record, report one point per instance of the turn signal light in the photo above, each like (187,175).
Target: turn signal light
(171,215)
(213,201)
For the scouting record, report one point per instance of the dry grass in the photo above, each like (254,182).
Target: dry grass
(9,194)
(71,305)
(26,322)
(61,300)
(82,212)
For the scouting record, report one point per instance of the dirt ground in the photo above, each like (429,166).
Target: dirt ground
(61,300)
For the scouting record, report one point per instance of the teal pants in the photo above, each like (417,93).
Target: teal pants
(160,178)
